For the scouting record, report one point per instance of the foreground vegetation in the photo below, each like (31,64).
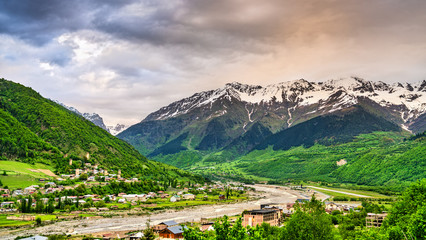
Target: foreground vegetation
(406,220)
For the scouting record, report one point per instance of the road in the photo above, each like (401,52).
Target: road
(351,194)
(263,194)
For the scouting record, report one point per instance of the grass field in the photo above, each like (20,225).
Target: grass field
(11,223)
(21,175)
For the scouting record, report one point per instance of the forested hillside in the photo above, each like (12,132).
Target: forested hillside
(35,129)
(380,160)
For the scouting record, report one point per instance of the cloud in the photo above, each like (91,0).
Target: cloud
(125,59)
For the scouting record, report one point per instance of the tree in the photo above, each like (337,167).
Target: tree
(83,177)
(50,208)
(221,228)
(59,205)
(309,222)
(24,205)
(38,221)
(195,234)
(57,237)
(228,192)
(81,189)
(407,217)
(148,233)
(39,206)
(100,204)
(30,202)
(238,231)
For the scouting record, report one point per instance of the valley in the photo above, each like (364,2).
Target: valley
(263,194)
(333,144)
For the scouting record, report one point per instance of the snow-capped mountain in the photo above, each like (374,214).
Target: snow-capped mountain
(114,130)
(241,116)
(96,119)
(411,98)
(93,117)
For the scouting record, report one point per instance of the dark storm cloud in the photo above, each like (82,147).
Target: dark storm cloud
(104,53)
(38,21)
(200,23)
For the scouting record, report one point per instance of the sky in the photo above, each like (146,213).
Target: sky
(125,59)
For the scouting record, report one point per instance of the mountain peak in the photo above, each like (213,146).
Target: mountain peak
(304,93)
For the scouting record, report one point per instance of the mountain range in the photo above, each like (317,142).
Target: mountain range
(291,131)
(241,117)
(97,120)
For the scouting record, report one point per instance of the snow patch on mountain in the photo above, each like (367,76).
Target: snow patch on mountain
(115,130)
(93,117)
(304,93)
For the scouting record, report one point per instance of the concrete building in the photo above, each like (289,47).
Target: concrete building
(256,217)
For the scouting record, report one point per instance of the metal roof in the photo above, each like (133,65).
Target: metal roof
(36,237)
(169,223)
(176,229)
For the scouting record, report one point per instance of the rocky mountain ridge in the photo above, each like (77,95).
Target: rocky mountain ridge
(97,120)
(410,99)
(238,117)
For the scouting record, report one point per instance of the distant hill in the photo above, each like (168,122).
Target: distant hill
(35,129)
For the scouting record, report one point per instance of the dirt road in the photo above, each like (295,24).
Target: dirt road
(264,194)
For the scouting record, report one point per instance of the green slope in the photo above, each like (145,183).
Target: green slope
(380,159)
(329,129)
(35,129)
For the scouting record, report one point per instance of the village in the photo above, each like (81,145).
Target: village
(47,203)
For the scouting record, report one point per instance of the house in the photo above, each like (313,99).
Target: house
(50,190)
(91,178)
(289,209)
(259,216)
(303,200)
(52,184)
(175,198)
(331,206)
(163,225)
(375,220)
(136,236)
(222,197)
(121,200)
(111,197)
(273,206)
(135,197)
(6,204)
(172,232)
(113,236)
(29,190)
(189,196)
(5,190)
(207,227)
